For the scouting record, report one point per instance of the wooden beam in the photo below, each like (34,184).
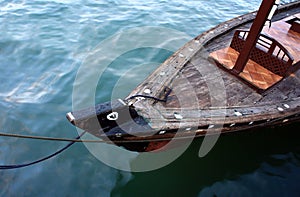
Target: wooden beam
(256,28)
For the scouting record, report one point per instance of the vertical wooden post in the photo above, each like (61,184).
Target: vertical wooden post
(256,28)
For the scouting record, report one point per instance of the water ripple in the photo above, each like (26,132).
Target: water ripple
(43,43)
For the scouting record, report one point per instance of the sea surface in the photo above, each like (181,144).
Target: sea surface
(44,43)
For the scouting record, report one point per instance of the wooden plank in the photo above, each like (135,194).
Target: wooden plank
(280,30)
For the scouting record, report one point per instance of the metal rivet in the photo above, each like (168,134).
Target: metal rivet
(280,109)
(147,91)
(162,132)
(211,126)
(238,113)
(178,116)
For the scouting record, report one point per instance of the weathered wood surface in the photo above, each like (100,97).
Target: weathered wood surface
(178,60)
(202,94)
(289,39)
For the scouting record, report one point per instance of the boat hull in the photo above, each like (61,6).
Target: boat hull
(143,122)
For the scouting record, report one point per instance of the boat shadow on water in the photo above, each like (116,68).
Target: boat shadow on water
(240,163)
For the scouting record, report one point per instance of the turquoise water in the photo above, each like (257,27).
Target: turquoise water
(42,46)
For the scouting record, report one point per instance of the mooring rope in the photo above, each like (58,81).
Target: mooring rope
(15,166)
(47,138)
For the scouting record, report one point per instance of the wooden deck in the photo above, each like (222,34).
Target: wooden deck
(254,74)
(280,30)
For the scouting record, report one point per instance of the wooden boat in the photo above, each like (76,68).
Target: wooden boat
(227,79)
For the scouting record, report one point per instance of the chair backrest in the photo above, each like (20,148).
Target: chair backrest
(268,52)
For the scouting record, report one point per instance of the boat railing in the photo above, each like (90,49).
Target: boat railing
(268,52)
